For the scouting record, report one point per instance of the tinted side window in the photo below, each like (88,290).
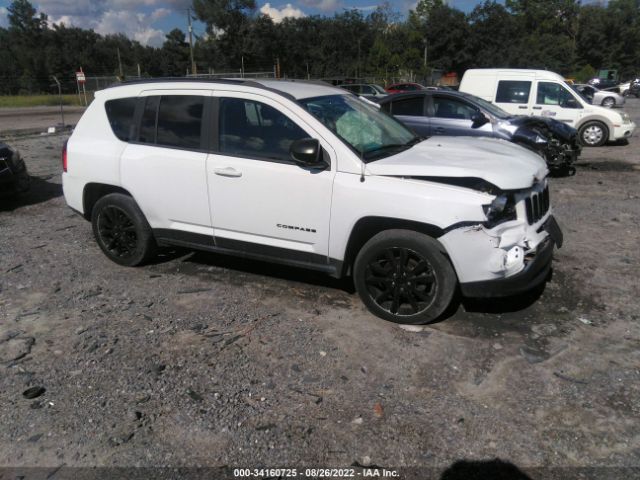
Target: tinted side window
(256,130)
(408,106)
(513,91)
(120,114)
(450,108)
(180,121)
(149,117)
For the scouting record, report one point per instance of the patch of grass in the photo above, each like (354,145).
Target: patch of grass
(17,101)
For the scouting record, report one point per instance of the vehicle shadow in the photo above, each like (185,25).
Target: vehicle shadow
(483,470)
(193,263)
(622,142)
(493,305)
(40,191)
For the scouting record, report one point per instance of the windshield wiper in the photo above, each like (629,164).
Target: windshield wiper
(392,146)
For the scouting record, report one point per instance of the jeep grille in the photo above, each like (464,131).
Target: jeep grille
(537,205)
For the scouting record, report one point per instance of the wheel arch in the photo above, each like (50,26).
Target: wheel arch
(366,227)
(95,191)
(596,118)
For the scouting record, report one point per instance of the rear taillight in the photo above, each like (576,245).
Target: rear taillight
(64,157)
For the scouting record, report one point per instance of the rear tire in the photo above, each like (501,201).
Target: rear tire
(404,277)
(122,231)
(593,134)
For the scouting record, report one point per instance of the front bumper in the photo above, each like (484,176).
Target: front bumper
(535,272)
(623,131)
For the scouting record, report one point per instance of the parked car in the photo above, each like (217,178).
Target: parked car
(604,83)
(311,176)
(404,87)
(447,112)
(14,178)
(546,94)
(366,90)
(632,87)
(595,96)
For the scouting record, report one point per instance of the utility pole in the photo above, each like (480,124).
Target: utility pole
(193,63)
(358,68)
(60,98)
(120,64)
(425,52)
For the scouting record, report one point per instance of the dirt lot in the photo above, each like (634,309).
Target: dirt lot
(200,360)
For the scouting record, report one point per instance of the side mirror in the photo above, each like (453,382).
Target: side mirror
(307,153)
(478,120)
(570,103)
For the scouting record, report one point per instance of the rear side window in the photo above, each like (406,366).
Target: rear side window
(413,107)
(180,121)
(513,91)
(120,113)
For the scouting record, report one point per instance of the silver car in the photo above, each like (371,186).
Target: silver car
(595,96)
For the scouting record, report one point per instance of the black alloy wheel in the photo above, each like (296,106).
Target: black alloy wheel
(401,281)
(122,231)
(117,232)
(404,276)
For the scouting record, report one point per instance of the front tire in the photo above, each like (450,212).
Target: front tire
(122,231)
(404,277)
(593,134)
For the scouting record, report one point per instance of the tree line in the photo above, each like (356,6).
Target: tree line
(565,36)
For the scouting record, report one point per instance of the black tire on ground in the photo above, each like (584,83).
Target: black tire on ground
(593,134)
(122,231)
(404,277)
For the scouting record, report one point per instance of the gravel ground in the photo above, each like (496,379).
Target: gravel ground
(204,361)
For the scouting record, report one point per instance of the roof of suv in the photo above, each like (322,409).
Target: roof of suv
(293,89)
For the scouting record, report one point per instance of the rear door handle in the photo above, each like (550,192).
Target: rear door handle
(537,108)
(440,129)
(227,172)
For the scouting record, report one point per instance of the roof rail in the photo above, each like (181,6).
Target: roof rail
(227,81)
(219,81)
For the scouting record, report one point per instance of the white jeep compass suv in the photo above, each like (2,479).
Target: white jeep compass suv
(309,175)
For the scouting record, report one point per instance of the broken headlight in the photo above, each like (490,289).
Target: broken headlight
(501,209)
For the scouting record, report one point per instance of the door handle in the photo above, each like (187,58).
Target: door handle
(440,130)
(537,108)
(227,172)
(522,107)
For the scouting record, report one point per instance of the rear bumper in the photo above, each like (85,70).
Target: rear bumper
(535,273)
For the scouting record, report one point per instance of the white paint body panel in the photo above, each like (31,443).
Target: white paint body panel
(502,163)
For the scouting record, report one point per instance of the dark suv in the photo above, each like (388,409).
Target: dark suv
(14,178)
(445,112)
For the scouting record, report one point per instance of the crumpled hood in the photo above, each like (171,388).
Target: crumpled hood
(504,164)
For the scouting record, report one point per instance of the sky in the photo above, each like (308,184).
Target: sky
(147,21)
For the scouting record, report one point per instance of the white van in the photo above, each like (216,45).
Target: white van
(544,93)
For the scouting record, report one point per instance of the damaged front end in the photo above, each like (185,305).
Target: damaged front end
(511,251)
(556,141)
